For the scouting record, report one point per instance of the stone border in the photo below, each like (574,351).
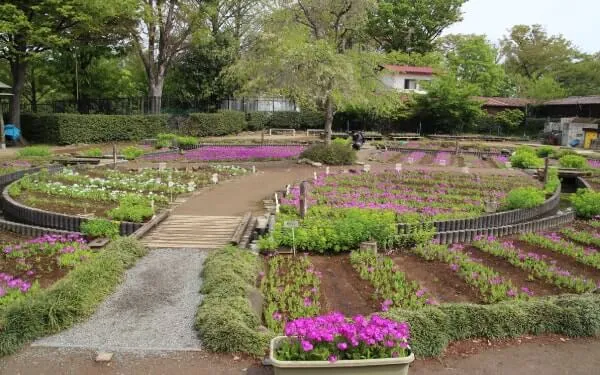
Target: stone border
(468,235)
(20,213)
(9,178)
(499,219)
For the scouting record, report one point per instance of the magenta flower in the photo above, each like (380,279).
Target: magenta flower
(306,346)
(342,346)
(307,302)
(277,315)
(332,358)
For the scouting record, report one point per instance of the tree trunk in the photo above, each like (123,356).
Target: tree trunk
(155,94)
(328,119)
(17,68)
(33,91)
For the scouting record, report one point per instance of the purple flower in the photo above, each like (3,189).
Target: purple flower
(307,302)
(332,358)
(454,267)
(342,346)
(277,315)
(306,346)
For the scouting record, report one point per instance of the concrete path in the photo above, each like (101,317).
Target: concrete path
(152,310)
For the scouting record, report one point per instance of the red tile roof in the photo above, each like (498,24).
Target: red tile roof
(405,69)
(504,102)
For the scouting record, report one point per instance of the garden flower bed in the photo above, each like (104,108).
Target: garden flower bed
(413,195)
(38,263)
(232,153)
(113,194)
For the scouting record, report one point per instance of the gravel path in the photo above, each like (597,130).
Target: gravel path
(152,310)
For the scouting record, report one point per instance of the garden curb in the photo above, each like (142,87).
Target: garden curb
(30,230)
(469,235)
(20,213)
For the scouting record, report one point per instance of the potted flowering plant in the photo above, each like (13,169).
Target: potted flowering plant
(333,344)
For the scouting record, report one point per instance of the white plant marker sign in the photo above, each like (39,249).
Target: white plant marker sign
(410,160)
(287,189)
(276,204)
(398,167)
(253,169)
(443,162)
(162,166)
(315,176)
(327,171)
(465,170)
(292,224)
(367,168)
(215,178)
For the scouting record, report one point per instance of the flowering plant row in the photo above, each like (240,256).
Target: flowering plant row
(581,236)
(411,194)
(391,285)
(491,285)
(554,242)
(333,337)
(536,264)
(291,290)
(233,153)
(24,264)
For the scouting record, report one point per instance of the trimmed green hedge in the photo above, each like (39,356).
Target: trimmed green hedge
(63,128)
(214,124)
(434,327)
(225,320)
(257,120)
(69,300)
(296,120)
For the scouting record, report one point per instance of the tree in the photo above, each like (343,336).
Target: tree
(448,106)
(411,25)
(472,59)
(530,52)
(582,77)
(28,28)
(509,119)
(165,30)
(544,88)
(306,52)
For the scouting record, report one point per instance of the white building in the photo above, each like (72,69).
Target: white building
(406,78)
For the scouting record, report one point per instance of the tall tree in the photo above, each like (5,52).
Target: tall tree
(530,52)
(28,28)
(472,59)
(165,30)
(448,106)
(306,51)
(582,77)
(411,25)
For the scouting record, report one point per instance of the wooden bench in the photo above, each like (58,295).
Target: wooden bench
(272,130)
(317,132)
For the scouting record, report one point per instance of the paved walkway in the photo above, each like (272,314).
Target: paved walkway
(152,310)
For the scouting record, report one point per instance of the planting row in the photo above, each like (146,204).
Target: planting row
(231,153)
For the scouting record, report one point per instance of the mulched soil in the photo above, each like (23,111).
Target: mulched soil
(437,277)
(71,206)
(563,261)
(342,289)
(518,277)
(8,238)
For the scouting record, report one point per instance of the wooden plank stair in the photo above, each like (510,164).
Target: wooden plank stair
(203,232)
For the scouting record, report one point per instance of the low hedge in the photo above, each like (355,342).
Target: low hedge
(64,128)
(69,300)
(335,154)
(434,327)
(214,124)
(296,120)
(225,320)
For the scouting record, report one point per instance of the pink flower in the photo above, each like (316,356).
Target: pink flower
(332,358)
(277,315)
(307,302)
(342,346)
(306,346)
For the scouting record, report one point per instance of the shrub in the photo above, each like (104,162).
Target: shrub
(257,120)
(69,300)
(186,141)
(165,140)
(586,203)
(132,208)
(100,228)
(559,153)
(214,124)
(34,151)
(93,152)
(63,128)
(335,154)
(553,182)
(225,319)
(544,151)
(573,161)
(326,229)
(525,157)
(132,152)
(524,197)
(432,328)
(296,120)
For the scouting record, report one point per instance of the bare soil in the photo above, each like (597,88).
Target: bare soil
(518,277)
(9,238)
(342,288)
(437,277)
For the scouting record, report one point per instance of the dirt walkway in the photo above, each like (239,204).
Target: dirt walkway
(237,196)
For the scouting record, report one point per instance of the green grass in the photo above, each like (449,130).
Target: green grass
(34,151)
(68,301)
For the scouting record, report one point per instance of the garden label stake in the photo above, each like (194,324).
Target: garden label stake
(398,167)
(327,171)
(303,201)
(315,176)
(292,224)
(276,203)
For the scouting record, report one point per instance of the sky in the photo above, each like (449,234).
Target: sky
(577,20)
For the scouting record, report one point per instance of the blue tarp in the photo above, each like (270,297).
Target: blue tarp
(11,132)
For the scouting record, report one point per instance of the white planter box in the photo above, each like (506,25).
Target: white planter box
(386,366)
